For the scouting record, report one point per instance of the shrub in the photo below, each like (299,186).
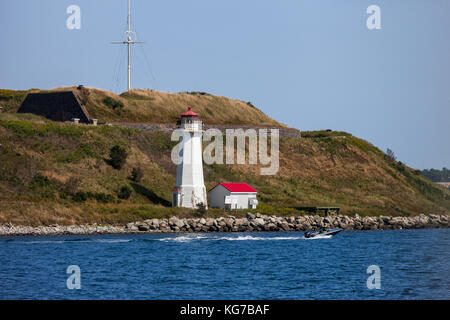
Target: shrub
(124,193)
(43,186)
(103,197)
(80,197)
(400,166)
(250,104)
(118,157)
(113,104)
(137,174)
(40,180)
(201,209)
(198,93)
(390,155)
(324,134)
(100,197)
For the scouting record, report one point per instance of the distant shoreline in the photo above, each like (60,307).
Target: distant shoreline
(250,223)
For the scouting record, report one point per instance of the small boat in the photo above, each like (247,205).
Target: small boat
(322,232)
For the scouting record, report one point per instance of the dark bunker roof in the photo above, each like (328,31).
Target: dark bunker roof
(56,106)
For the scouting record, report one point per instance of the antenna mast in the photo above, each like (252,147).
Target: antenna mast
(130,38)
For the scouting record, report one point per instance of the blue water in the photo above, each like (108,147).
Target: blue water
(414,264)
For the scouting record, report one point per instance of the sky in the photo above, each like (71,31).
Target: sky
(309,64)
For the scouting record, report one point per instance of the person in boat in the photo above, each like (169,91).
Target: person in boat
(323,230)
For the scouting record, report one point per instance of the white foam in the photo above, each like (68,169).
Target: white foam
(238,238)
(328,236)
(113,240)
(182,238)
(42,242)
(186,238)
(246,238)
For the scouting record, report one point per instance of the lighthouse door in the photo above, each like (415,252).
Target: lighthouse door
(175,199)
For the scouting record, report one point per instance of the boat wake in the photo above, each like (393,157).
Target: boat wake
(245,238)
(182,238)
(175,238)
(238,238)
(327,236)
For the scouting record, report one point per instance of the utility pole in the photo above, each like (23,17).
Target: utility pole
(130,38)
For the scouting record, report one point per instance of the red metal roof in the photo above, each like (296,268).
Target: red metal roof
(237,187)
(189,113)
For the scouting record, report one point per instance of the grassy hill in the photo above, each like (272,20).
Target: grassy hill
(59,172)
(154,106)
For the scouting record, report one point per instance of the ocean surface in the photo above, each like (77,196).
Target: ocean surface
(414,264)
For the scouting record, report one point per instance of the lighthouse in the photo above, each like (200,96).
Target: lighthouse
(190,190)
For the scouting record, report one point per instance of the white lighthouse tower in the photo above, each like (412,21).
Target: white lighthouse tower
(190,189)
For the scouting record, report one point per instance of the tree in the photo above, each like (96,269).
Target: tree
(437,175)
(137,174)
(201,209)
(118,157)
(390,155)
(124,193)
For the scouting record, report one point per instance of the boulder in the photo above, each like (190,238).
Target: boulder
(229,222)
(258,221)
(132,227)
(143,227)
(174,221)
(155,223)
(270,227)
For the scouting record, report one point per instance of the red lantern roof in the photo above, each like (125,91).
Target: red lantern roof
(189,113)
(237,187)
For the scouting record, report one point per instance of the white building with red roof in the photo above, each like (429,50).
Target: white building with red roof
(233,196)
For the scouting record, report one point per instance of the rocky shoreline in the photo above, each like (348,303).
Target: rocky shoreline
(251,222)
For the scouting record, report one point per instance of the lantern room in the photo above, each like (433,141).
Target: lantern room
(190,121)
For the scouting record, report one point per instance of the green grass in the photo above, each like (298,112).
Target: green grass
(324,134)
(39,157)
(11,100)
(76,155)
(364,146)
